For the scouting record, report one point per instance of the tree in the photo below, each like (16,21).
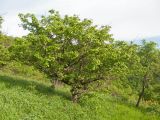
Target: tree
(127,68)
(140,68)
(67,49)
(149,57)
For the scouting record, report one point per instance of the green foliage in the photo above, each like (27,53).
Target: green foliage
(149,56)
(67,49)
(5,43)
(137,70)
(18,69)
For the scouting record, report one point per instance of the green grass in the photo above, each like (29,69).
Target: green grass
(34,100)
(16,68)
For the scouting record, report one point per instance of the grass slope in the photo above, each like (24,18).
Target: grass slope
(31,100)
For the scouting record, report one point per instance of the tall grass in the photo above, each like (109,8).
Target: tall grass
(18,69)
(22,99)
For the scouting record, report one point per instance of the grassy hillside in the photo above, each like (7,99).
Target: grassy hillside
(32,100)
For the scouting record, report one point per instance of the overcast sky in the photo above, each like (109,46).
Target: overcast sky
(129,19)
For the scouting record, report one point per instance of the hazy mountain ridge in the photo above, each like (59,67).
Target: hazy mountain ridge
(155,39)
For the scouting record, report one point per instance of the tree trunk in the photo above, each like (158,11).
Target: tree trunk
(75,92)
(75,98)
(140,97)
(142,91)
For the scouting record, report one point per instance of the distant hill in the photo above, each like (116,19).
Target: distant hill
(155,39)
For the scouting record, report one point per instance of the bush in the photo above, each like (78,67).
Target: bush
(18,69)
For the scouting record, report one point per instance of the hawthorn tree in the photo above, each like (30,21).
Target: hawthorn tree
(127,68)
(67,49)
(141,66)
(149,58)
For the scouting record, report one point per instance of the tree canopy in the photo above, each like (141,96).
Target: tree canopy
(67,49)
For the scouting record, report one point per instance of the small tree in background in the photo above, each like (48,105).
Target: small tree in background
(140,68)
(149,58)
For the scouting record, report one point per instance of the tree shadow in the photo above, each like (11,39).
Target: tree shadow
(33,86)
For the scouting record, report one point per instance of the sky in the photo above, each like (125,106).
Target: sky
(129,19)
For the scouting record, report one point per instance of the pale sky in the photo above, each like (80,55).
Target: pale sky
(129,19)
